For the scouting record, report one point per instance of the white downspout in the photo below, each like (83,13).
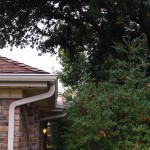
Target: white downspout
(19,103)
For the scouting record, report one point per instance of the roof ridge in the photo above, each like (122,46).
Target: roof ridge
(23,65)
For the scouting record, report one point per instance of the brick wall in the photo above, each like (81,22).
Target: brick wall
(26,127)
(33,130)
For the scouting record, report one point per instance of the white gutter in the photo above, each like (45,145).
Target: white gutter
(19,103)
(53,117)
(27,77)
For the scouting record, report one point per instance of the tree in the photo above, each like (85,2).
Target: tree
(73,25)
(114,114)
(89,26)
(73,73)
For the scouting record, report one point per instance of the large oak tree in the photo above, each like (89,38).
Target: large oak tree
(90,27)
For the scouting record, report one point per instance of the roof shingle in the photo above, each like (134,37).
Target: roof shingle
(11,66)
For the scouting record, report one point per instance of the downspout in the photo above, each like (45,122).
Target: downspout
(19,103)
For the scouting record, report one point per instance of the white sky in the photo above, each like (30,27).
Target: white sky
(30,57)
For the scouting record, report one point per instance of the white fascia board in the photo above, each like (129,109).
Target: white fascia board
(28,77)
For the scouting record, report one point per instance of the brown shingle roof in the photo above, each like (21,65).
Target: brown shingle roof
(11,66)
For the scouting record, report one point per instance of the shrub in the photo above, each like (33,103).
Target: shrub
(111,115)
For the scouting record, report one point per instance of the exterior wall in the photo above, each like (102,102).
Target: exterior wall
(3,123)
(33,130)
(26,127)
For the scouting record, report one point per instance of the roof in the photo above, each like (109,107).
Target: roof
(11,66)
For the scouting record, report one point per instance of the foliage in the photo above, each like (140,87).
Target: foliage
(113,114)
(87,25)
(51,148)
(55,131)
(73,73)
(68,94)
(84,30)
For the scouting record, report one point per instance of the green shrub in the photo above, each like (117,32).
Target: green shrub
(111,115)
(55,130)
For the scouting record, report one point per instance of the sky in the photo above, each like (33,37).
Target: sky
(30,57)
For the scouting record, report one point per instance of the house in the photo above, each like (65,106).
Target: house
(27,102)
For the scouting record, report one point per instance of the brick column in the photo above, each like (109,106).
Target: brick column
(4,114)
(3,124)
